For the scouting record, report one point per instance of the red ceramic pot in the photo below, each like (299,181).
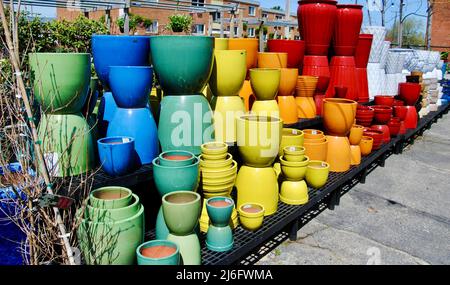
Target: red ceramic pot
(340,91)
(398,103)
(317,66)
(384,100)
(377,138)
(400,112)
(294,49)
(362,85)
(382,114)
(402,129)
(318,99)
(316,20)
(394,126)
(343,73)
(346,30)
(409,92)
(364,115)
(385,130)
(363,50)
(411,117)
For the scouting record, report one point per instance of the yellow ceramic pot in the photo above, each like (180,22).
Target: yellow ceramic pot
(210,173)
(221,164)
(294,192)
(258,185)
(356,133)
(214,156)
(288,81)
(338,115)
(246,94)
(221,44)
(265,82)
(365,145)
(219,180)
(214,148)
(250,45)
(218,189)
(288,109)
(266,108)
(317,173)
(306,107)
(290,137)
(272,59)
(355,155)
(228,73)
(258,139)
(227,108)
(338,153)
(294,170)
(251,216)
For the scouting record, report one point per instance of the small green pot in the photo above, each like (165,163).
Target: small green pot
(173,259)
(100,215)
(110,197)
(189,246)
(220,216)
(181,211)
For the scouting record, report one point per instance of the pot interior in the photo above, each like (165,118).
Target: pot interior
(114,194)
(291,132)
(256,118)
(251,208)
(318,164)
(158,251)
(214,145)
(176,157)
(181,198)
(220,203)
(115,140)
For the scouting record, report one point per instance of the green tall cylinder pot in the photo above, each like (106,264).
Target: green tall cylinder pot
(182,63)
(67,144)
(60,81)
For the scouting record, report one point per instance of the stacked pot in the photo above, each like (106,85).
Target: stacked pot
(355,136)
(395,62)
(111,226)
(316,144)
(294,190)
(306,106)
(361,60)
(375,72)
(285,97)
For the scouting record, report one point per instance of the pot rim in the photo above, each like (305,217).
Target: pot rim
(220,198)
(312,162)
(316,143)
(269,119)
(287,163)
(339,101)
(91,195)
(350,6)
(101,141)
(197,197)
(258,214)
(61,53)
(144,245)
(181,36)
(331,2)
(115,223)
(154,163)
(130,67)
(228,157)
(367,138)
(291,134)
(136,201)
(209,171)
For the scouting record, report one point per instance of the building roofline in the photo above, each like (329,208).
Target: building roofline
(257,3)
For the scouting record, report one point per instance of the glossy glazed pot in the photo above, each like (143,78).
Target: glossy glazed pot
(189,246)
(382,114)
(246,94)
(224,163)
(294,153)
(338,115)
(316,20)
(228,73)
(290,137)
(318,100)
(356,133)
(109,50)
(398,103)
(400,112)
(106,110)
(311,134)
(265,82)
(317,173)
(251,216)
(117,155)
(411,118)
(171,55)
(181,211)
(219,236)
(226,109)
(394,126)
(91,101)
(385,130)
(343,73)
(175,178)
(306,85)
(294,49)
(250,45)
(175,158)
(66,144)
(409,92)
(131,85)
(365,145)
(288,109)
(338,153)
(266,108)
(340,91)
(355,152)
(158,252)
(364,115)
(114,214)
(214,148)
(384,100)
(221,43)
(140,125)
(110,197)
(294,170)
(317,66)
(58,88)
(294,192)
(362,50)
(377,137)
(196,118)
(306,107)
(258,139)
(272,59)
(316,150)
(288,81)
(346,29)
(362,85)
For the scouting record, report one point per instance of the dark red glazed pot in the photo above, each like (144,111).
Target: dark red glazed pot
(316,20)
(363,50)
(411,117)
(394,126)
(385,130)
(343,73)
(362,85)
(294,49)
(382,114)
(346,29)
(400,112)
(317,66)
(384,100)
(398,103)
(409,92)
(377,138)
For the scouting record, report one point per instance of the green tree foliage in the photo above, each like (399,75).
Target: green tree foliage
(179,23)
(411,35)
(135,21)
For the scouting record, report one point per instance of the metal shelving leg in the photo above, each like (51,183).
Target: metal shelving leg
(334,199)
(293,230)
(362,179)
(382,160)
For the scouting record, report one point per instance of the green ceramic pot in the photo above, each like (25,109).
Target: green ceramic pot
(111,243)
(168,179)
(161,230)
(176,158)
(181,211)
(182,63)
(220,214)
(110,197)
(61,80)
(172,259)
(185,123)
(219,238)
(189,246)
(116,214)
(67,144)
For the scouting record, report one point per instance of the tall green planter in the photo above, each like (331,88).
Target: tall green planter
(60,80)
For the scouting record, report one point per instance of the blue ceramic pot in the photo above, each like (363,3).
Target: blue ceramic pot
(131,85)
(106,110)
(139,124)
(114,50)
(117,155)
(172,259)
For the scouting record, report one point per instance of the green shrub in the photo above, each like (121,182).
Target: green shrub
(179,23)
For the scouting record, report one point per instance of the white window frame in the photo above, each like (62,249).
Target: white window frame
(156,30)
(249,11)
(251,35)
(196,29)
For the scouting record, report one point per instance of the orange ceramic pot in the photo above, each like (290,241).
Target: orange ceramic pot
(338,153)
(338,115)
(313,134)
(316,150)
(272,60)
(365,145)
(316,140)
(306,107)
(250,45)
(288,109)
(288,81)
(306,85)
(355,152)
(356,133)
(246,93)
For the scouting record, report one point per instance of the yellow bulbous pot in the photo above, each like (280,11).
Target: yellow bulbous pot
(294,192)
(317,173)
(272,59)
(258,139)
(226,110)
(266,108)
(290,136)
(251,220)
(228,73)
(220,44)
(258,185)
(288,81)
(265,82)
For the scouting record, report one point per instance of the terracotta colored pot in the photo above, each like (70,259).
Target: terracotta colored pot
(294,49)
(377,137)
(272,59)
(356,133)
(382,114)
(338,115)
(317,66)
(338,153)
(385,130)
(355,152)
(250,45)
(411,118)
(394,126)
(384,100)
(362,51)
(316,19)
(313,134)
(316,150)
(400,112)
(362,85)
(398,103)
(318,99)
(288,109)
(409,92)
(306,107)
(288,81)
(346,29)
(365,145)
(343,73)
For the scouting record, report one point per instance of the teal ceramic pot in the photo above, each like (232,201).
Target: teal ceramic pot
(110,197)
(182,64)
(158,256)
(111,243)
(176,158)
(169,179)
(115,215)
(219,210)
(161,230)
(67,144)
(60,81)
(189,246)
(185,123)
(219,238)
(181,211)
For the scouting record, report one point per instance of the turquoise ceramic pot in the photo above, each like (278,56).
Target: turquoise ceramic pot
(182,64)
(185,123)
(161,230)
(176,158)
(189,246)
(181,211)
(173,259)
(113,215)
(219,215)
(219,238)
(110,197)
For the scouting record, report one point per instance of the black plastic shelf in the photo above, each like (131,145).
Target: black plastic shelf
(306,123)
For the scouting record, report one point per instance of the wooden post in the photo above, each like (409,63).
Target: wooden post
(240,24)
(126,25)
(232,25)
(400,23)
(108,19)
(210,24)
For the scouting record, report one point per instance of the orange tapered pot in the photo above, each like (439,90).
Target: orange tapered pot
(356,133)
(338,153)
(355,152)
(288,81)
(365,145)
(313,134)
(250,45)
(288,109)
(306,107)
(338,115)
(272,60)
(316,150)
(246,93)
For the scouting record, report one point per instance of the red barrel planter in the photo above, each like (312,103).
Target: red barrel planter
(409,92)
(294,49)
(343,73)
(362,85)
(362,51)
(346,30)
(317,66)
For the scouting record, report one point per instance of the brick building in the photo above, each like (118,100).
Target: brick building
(440,26)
